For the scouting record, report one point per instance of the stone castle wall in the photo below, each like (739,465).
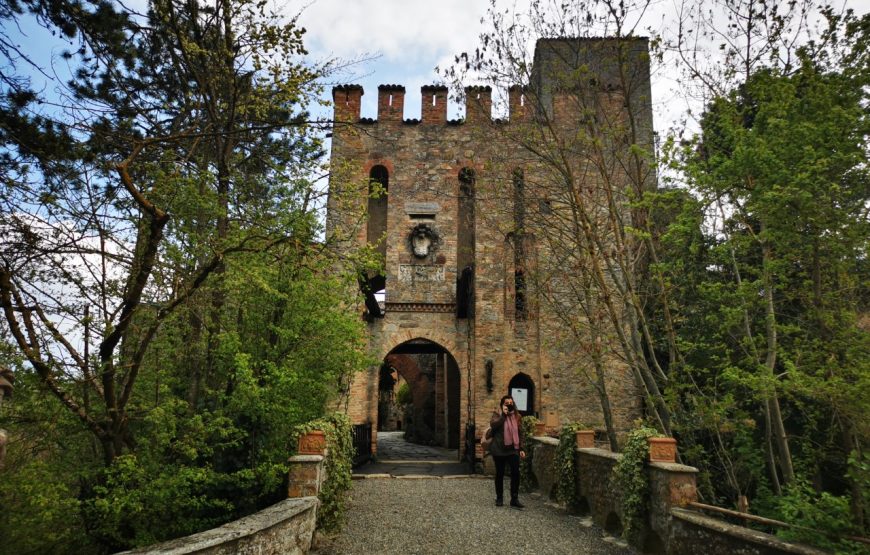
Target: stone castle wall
(425,159)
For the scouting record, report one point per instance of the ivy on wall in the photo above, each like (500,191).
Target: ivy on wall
(339,442)
(565,467)
(527,477)
(631,480)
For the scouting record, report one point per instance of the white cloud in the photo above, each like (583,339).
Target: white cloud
(403,31)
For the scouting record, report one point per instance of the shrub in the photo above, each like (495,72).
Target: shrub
(564,465)
(527,477)
(820,519)
(403,395)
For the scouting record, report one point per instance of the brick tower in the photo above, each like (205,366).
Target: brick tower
(456,209)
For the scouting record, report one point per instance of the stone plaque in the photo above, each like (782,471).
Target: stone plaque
(413,273)
(312,443)
(662,449)
(422,208)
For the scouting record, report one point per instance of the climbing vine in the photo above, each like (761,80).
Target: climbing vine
(339,441)
(527,477)
(631,479)
(564,465)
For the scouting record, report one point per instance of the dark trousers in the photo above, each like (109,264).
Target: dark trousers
(514,462)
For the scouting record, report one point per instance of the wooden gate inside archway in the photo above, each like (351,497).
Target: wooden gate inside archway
(419,393)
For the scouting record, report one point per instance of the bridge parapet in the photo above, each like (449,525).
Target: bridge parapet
(671,526)
(284,528)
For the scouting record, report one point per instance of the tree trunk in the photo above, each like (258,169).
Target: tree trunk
(780,437)
(600,383)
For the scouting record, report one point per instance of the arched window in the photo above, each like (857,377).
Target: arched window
(379,181)
(373,286)
(522,389)
(380,176)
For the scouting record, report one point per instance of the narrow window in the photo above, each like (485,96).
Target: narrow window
(520,302)
(374,285)
(465,245)
(520,305)
(379,181)
(519,201)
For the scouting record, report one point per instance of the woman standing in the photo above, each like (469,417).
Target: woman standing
(507,448)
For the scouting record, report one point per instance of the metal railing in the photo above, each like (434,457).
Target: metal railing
(746,518)
(362,444)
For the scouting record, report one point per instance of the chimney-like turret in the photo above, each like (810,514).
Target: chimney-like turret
(434,103)
(391,102)
(347,100)
(518,103)
(478,104)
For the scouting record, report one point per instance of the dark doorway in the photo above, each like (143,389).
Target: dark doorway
(522,388)
(420,394)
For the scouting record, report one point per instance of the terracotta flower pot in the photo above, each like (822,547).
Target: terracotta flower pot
(312,443)
(540,429)
(584,439)
(662,449)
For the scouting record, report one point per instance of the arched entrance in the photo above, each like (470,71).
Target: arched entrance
(419,393)
(522,389)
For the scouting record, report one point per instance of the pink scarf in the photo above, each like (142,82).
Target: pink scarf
(511,432)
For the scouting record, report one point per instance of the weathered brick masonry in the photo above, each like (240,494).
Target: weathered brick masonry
(454,220)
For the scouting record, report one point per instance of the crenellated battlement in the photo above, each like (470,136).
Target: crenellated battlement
(391,102)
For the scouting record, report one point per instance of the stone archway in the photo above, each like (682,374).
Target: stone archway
(435,383)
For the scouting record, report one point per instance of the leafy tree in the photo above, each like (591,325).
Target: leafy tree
(736,295)
(183,153)
(784,158)
(161,275)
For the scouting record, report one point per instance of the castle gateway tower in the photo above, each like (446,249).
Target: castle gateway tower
(489,231)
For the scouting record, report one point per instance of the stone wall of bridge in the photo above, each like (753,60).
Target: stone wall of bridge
(670,527)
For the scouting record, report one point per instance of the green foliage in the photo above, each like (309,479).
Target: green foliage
(768,296)
(565,464)
(185,477)
(819,519)
(403,395)
(333,493)
(527,477)
(630,479)
(135,504)
(41,513)
(195,466)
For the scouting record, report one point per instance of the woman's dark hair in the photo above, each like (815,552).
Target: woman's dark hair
(503,399)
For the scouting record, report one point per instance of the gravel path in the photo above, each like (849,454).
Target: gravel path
(447,516)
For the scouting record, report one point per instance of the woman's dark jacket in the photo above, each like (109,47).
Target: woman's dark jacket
(497,448)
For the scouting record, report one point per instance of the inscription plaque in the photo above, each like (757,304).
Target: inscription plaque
(414,273)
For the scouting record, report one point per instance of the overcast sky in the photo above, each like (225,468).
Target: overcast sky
(412,37)
(406,40)
(409,38)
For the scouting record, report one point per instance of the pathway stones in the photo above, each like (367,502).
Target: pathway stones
(434,516)
(392,446)
(398,457)
(418,500)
